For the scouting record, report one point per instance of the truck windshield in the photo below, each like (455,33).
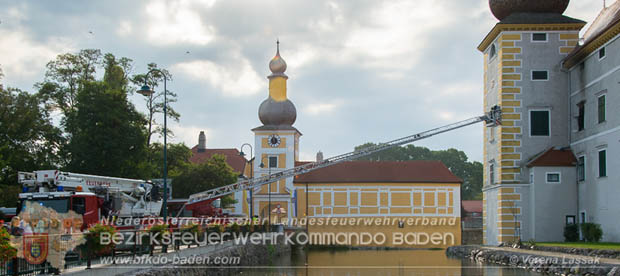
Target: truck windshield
(61,205)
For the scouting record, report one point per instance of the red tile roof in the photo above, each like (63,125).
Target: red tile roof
(472,206)
(554,158)
(233,158)
(381,171)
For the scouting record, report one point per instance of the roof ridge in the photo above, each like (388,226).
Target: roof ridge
(599,24)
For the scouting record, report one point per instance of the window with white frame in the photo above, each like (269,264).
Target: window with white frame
(273,161)
(581,116)
(553,177)
(540,75)
(540,123)
(601,109)
(602,53)
(581,168)
(539,37)
(491,174)
(602,163)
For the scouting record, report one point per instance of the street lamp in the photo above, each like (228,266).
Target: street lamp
(146,91)
(251,175)
(262,165)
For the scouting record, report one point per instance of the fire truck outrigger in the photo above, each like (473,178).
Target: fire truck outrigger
(91,196)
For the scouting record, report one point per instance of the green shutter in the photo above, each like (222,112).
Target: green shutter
(539,122)
(601,109)
(602,163)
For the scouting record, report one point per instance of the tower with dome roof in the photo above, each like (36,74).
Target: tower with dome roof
(523,74)
(276,145)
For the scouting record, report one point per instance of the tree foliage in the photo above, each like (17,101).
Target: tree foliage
(107,133)
(66,75)
(455,160)
(28,139)
(200,177)
(177,159)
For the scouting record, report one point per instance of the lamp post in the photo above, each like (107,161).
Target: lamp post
(262,165)
(146,91)
(251,175)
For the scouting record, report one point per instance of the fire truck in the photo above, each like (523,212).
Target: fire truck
(92,196)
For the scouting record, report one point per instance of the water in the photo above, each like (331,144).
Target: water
(378,262)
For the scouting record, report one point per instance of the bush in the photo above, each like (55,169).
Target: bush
(93,239)
(571,232)
(592,232)
(193,228)
(235,228)
(7,252)
(216,228)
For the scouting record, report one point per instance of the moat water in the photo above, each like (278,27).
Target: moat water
(378,262)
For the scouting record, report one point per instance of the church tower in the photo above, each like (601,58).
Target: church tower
(277,146)
(522,74)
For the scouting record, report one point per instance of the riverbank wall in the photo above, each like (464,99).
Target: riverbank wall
(237,256)
(539,261)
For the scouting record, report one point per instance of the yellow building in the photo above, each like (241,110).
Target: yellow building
(403,204)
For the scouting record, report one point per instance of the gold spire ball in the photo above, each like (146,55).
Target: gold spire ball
(277,65)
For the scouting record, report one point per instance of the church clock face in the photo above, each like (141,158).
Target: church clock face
(273,140)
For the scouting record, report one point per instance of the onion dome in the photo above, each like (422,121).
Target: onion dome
(503,8)
(277,65)
(274,113)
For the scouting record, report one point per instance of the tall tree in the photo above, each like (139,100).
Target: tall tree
(155,102)
(455,160)
(107,133)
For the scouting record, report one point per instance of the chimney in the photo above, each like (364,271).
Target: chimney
(319,156)
(202,142)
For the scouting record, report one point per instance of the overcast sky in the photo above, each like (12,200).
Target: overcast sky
(359,71)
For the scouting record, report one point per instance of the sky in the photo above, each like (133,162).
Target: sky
(359,71)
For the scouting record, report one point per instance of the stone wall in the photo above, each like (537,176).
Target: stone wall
(565,265)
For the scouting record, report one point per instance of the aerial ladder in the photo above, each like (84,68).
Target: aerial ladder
(491,119)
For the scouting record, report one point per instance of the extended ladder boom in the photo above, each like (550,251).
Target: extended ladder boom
(492,118)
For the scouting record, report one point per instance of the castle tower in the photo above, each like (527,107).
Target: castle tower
(277,145)
(522,74)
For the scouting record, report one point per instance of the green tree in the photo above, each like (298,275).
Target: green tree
(200,177)
(455,160)
(107,133)
(177,159)
(28,139)
(155,102)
